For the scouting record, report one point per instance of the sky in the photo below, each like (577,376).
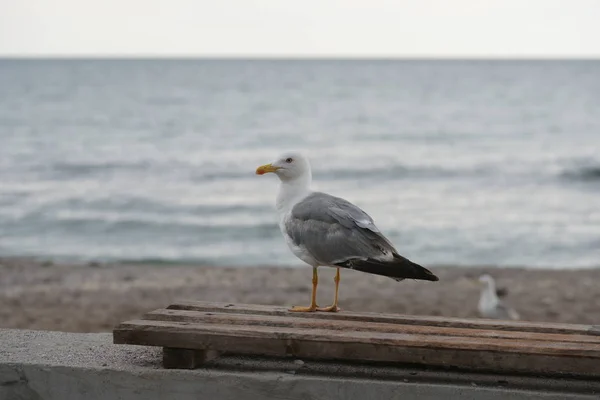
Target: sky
(302,28)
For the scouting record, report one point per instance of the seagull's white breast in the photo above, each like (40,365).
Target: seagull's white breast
(299,251)
(487,303)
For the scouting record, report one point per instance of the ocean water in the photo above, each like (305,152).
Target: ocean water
(458,162)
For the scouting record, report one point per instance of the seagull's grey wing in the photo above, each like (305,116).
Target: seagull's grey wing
(501,291)
(499,311)
(334,230)
(505,312)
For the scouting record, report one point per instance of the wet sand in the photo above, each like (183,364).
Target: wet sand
(94,298)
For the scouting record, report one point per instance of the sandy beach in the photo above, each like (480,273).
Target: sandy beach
(95,297)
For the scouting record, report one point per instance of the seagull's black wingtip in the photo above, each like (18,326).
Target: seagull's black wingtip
(399,268)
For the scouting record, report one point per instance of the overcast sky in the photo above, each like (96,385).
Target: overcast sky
(413,28)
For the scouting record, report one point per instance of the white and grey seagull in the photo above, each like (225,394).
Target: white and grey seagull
(490,305)
(324,230)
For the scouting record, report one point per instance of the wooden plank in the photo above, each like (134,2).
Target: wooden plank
(481,354)
(291,321)
(186,358)
(142,327)
(520,326)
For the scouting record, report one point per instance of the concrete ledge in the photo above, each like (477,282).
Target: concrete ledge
(36,365)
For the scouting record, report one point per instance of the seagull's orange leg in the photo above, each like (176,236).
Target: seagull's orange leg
(334,307)
(313,297)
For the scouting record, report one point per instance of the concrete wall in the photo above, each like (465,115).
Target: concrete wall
(37,365)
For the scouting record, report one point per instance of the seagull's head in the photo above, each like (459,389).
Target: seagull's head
(486,280)
(288,167)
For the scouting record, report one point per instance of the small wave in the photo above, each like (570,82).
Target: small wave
(401,172)
(591,173)
(118,224)
(124,204)
(216,175)
(79,169)
(176,230)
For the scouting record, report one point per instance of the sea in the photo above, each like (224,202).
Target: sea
(459,162)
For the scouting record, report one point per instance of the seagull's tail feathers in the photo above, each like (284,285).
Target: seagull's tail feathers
(399,268)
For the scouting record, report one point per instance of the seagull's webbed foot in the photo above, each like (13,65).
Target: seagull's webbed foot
(331,308)
(311,308)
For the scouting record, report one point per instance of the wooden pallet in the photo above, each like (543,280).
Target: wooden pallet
(192,332)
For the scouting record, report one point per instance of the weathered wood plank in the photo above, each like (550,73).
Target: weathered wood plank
(141,328)
(291,321)
(520,326)
(186,358)
(482,354)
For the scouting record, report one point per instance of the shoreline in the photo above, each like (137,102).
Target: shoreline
(93,297)
(49,261)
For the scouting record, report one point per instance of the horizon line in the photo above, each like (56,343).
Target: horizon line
(299,57)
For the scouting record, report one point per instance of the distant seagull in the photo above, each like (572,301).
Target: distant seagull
(323,230)
(490,306)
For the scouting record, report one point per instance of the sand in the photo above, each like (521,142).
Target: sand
(94,298)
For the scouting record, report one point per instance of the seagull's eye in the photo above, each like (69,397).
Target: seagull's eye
(288,160)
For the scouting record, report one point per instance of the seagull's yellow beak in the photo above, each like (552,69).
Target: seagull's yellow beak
(263,169)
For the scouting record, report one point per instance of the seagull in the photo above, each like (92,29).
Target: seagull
(324,230)
(490,305)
